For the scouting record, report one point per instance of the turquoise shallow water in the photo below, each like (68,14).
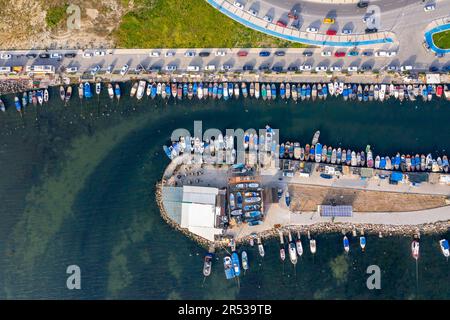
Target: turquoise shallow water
(77,187)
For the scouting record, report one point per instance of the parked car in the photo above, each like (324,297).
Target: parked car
(71,69)
(367,53)
(328,21)
(363,4)
(253,12)
(5,56)
(124,69)
(267,18)
(264,67)
(281,24)
(371,30)
(280,53)
(433,69)
(352,69)
(339,54)
(277,68)
(325,53)
(210,67)
(225,67)
(347,31)
(292,68)
(155,68)
(331,32)
(95,69)
(220,53)
(353,53)
(31,55)
(139,69)
(321,69)
(366,68)
(335,68)
(70,55)
(312,30)
(44,56)
(429,7)
(171,67)
(380,54)
(239,5)
(307,53)
(391,53)
(306,67)
(88,55)
(99,53)
(189,54)
(109,69)
(170,53)
(55,55)
(392,68)
(264,54)
(247,67)
(204,54)
(193,68)
(242,53)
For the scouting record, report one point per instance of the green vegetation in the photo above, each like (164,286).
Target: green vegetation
(187,24)
(442,39)
(55,15)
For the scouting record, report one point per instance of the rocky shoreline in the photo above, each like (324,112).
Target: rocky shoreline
(320,228)
(14,86)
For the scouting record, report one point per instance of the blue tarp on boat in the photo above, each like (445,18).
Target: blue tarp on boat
(396,176)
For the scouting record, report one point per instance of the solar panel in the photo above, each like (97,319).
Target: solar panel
(336,211)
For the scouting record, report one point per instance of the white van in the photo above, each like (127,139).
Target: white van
(193,68)
(71,69)
(406,68)
(5,69)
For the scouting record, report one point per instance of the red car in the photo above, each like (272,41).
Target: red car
(331,32)
(281,24)
(339,54)
(242,53)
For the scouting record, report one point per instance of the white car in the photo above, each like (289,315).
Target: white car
(335,68)
(253,12)
(210,67)
(155,54)
(109,69)
(99,53)
(392,68)
(352,69)
(124,69)
(239,5)
(55,55)
(312,30)
(88,55)
(306,67)
(347,31)
(220,53)
(325,53)
(429,7)
(95,69)
(225,67)
(171,67)
(72,69)
(391,53)
(170,53)
(5,56)
(321,69)
(193,68)
(406,68)
(189,54)
(380,54)
(267,18)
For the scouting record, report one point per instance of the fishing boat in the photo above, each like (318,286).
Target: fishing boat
(214,90)
(168,90)
(40,95)
(190,93)
(244,258)
(236,264)
(180,91)
(17,104)
(288,90)
(148,91)
(319,91)
(338,155)
(315,138)
(282,91)
(260,248)
(263,92)
(244,89)
(220,91)
(24,99)
(2,106)
(382,92)
(236,90)
(30,97)
(117,91)
(308,92)
(292,253)
(163,91)
(173,89)
(62,93)
(282,253)
(303,92)
(298,244)
(80,92)
(444,247)
(207,262)
(98,87)
(376,92)
(294,93)
(257,90)
(312,246)
(296,150)
(346,244)
(159,88)
(359,93)
(318,155)
(228,266)
(273,91)
(134,89)
(331,88)
(252,89)
(415,249)
(110,91)
(362,243)
(226,96)
(46,95)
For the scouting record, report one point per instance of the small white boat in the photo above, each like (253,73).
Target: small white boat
(98,87)
(312,246)
(362,242)
(141,89)
(46,95)
(261,249)
(244,260)
(110,91)
(346,244)
(298,244)
(148,91)
(415,249)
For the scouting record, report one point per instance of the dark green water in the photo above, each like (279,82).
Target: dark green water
(77,187)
